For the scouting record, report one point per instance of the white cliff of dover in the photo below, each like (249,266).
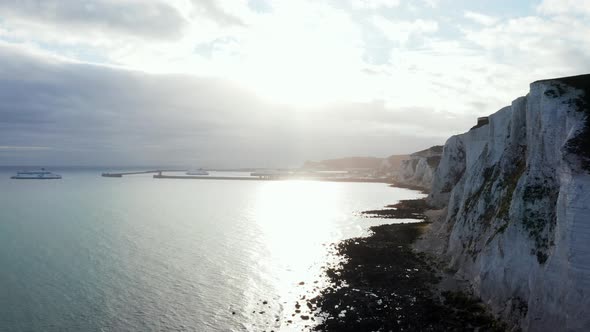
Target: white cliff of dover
(514,196)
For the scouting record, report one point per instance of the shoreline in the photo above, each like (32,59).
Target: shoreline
(382,283)
(421,189)
(244,178)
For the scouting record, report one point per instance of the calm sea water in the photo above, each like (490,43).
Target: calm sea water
(87,253)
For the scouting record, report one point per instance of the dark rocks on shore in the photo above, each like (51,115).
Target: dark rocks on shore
(405,209)
(383,285)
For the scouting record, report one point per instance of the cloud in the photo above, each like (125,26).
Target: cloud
(432,3)
(374,4)
(95,115)
(26,148)
(402,31)
(561,7)
(143,19)
(560,45)
(212,10)
(480,18)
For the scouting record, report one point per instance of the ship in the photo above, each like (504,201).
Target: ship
(36,175)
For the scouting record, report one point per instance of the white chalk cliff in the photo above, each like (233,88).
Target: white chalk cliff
(419,169)
(515,200)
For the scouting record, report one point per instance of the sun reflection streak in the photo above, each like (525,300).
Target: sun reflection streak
(296,219)
(295,216)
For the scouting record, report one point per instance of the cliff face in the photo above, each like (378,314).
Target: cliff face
(419,169)
(515,195)
(391,165)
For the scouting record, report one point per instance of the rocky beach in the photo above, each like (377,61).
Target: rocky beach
(382,284)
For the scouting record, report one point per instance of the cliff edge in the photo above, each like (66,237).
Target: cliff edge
(514,196)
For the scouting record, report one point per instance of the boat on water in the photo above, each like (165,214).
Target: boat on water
(199,171)
(36,175)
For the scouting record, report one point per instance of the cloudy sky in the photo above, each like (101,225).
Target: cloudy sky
(237,83)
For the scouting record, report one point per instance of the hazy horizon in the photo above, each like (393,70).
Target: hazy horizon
(172,166)
(232,84)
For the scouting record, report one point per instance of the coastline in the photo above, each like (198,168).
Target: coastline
(382,283)
(243,178)
(397,184)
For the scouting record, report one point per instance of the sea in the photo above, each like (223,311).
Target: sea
(88,253)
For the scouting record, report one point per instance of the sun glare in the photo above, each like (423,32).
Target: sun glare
(295,218)
(287,211)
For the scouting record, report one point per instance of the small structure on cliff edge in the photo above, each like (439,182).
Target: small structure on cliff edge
(481,121)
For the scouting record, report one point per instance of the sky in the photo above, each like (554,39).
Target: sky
(265,83)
